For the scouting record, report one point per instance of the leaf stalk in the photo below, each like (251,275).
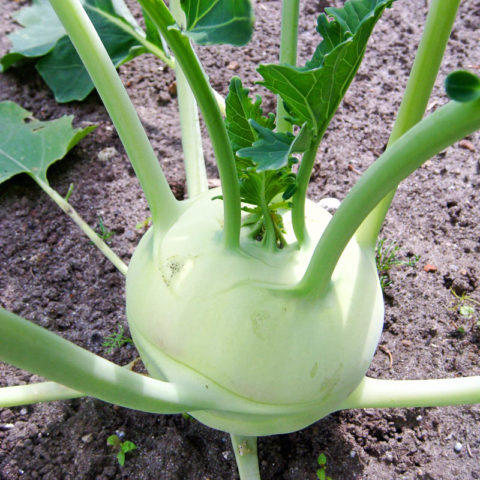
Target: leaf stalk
(288,53)
(186,57)
(438,27)
(245,449)
(163,205)
(86,229)
(442,128)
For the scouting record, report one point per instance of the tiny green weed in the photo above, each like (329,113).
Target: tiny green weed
(144,224)
(102,230)
(464,305)
(387,256)
(116,340)
(322,470)
(122,447)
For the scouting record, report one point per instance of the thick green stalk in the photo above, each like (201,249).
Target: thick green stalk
(152,48)
(33,348)
(270,238)
(299,198)
(376,393)
(194,161)
(35,393)
(37,350)
(163,205)
(245,449)
(89,232)
(288,52)
(187,59)
(141,39)
(424,72)
(447,125)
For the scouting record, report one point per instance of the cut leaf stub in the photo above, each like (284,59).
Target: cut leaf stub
(462,86)
(32,146)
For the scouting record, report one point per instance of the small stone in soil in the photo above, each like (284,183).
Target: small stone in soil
(107,154)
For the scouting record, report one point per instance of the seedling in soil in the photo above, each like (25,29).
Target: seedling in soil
(102,231)
(295,290)
(386,256)
(122,447)
(464,305)
(116,340)
(144,224)
(322,470)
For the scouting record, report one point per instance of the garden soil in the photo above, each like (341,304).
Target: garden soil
(52,275)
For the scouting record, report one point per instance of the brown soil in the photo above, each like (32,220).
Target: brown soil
(50,274)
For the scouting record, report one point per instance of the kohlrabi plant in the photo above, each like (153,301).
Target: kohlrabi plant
(253,309)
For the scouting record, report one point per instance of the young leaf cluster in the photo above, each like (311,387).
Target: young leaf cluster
(311,95)
(264,164)
(122,447)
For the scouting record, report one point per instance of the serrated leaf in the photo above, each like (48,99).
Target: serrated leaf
(271,151)
(212,22)
(313,93)
(462,86)
(239,109)
(31,146)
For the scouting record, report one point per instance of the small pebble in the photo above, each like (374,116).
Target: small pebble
(23,411)
(467,145)
(458,447)
(233,65)
(120,434)
(353,453)
(226,455)
(107,154)
(419,418)
(130,235)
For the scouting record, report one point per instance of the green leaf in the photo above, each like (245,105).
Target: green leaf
(313,93)
(113,440)
(322,460)
(121,457)
(45,39)
(271,151)
(31,146)
(128,446)
(462,86)
(42,29)
(466,311)
(62,68)
(219,21)
(239,110)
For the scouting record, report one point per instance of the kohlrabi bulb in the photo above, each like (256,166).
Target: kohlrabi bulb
(210,318)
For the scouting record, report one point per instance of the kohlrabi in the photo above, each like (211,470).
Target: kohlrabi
(253,308)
